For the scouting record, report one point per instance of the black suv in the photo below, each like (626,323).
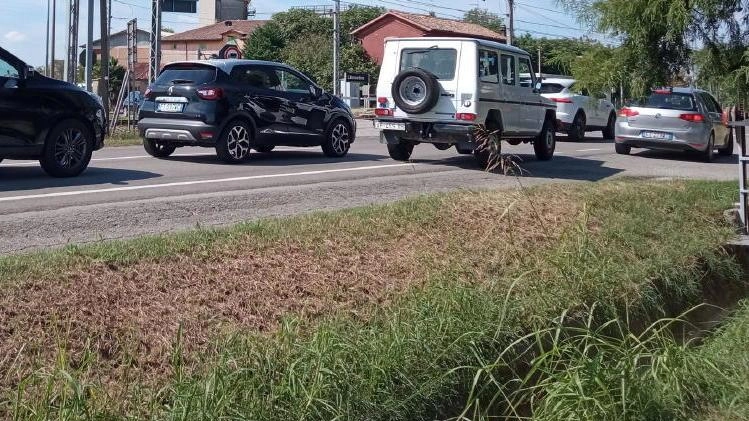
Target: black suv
(46,119)
(239,105)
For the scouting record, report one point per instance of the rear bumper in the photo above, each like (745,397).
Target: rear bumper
(429,133)
(187,132)
(683,140)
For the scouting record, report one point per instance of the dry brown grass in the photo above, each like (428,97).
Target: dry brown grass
(130,314)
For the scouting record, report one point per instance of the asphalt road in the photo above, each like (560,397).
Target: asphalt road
(126,193)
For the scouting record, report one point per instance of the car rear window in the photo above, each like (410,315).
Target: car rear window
(670,101)
(440,62)
(194,75)
(551,88)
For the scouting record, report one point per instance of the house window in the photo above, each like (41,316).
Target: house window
(175,47)
(202,46)
(232,37)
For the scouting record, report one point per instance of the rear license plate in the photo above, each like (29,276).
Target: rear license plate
(389,125)
(656,135)
(169,107)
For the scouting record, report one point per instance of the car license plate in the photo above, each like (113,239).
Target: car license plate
(389,125)
(656,135)
(169,107)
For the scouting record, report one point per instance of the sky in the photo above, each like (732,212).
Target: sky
(23,23)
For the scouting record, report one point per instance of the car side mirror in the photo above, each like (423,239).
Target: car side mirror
(29,72)
(315,91)
(537,88)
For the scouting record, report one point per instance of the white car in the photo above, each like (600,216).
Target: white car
(440,90)
(577,112)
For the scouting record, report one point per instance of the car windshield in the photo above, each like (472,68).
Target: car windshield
(438,61)
(551,88)
(196,75)
(669,101)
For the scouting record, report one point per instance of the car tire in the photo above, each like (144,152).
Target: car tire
(709,153)
(264,148)
(622,149)
(609,132)
(337,140)
(724,151)
(483,156)
(67,150)
(576,132)
(234,144)
(158,149)
(401,151)
(443,146)
(546,142)
(416,91)
(464,151)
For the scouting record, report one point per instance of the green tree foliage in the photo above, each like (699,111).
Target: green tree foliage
(484,18)
(304,39)
(557,55)
(266,43)
(116,77)
(657,36)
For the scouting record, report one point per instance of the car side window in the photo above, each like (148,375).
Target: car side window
(7,71)
(508,69)
(290,82)
(715,103)
(488,66)
(252,76)
(710,104)
(525,67)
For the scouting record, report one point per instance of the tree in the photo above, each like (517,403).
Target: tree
(266,43)
(484,18)
(116,77)
(557,55)
(656,34)
(304,40)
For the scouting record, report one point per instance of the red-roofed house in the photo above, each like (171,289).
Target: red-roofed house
(207,40)
(401,24)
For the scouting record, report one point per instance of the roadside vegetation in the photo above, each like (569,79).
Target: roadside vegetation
(381,313)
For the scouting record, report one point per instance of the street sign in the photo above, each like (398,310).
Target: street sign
(357,77)
(179,6)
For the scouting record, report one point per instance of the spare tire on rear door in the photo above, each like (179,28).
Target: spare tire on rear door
(416,91)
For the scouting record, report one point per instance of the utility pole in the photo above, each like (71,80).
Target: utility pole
(71,58)
(336,46)
(46,57)
(104,63)
(51,64)
(511,16)
(540,74)
(154,64)
(90,47)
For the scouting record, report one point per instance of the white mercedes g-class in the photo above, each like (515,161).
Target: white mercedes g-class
(439,90)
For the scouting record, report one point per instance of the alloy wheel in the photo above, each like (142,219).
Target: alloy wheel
(340,138)
(238,142)
(70,148)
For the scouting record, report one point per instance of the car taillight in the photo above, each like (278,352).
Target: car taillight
(465,116)
(628,112)
(663,91)
(210,93)
(383,112)
(562,100)
(693,117)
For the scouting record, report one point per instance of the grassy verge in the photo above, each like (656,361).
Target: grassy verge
(123,137)
(360,314)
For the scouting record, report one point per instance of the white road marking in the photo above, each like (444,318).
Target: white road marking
(116,158)
(588,150)
(191,183)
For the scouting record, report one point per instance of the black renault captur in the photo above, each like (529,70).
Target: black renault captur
(46,119)
(239,105)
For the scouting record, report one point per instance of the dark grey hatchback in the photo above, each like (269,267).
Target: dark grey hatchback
(239,105)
